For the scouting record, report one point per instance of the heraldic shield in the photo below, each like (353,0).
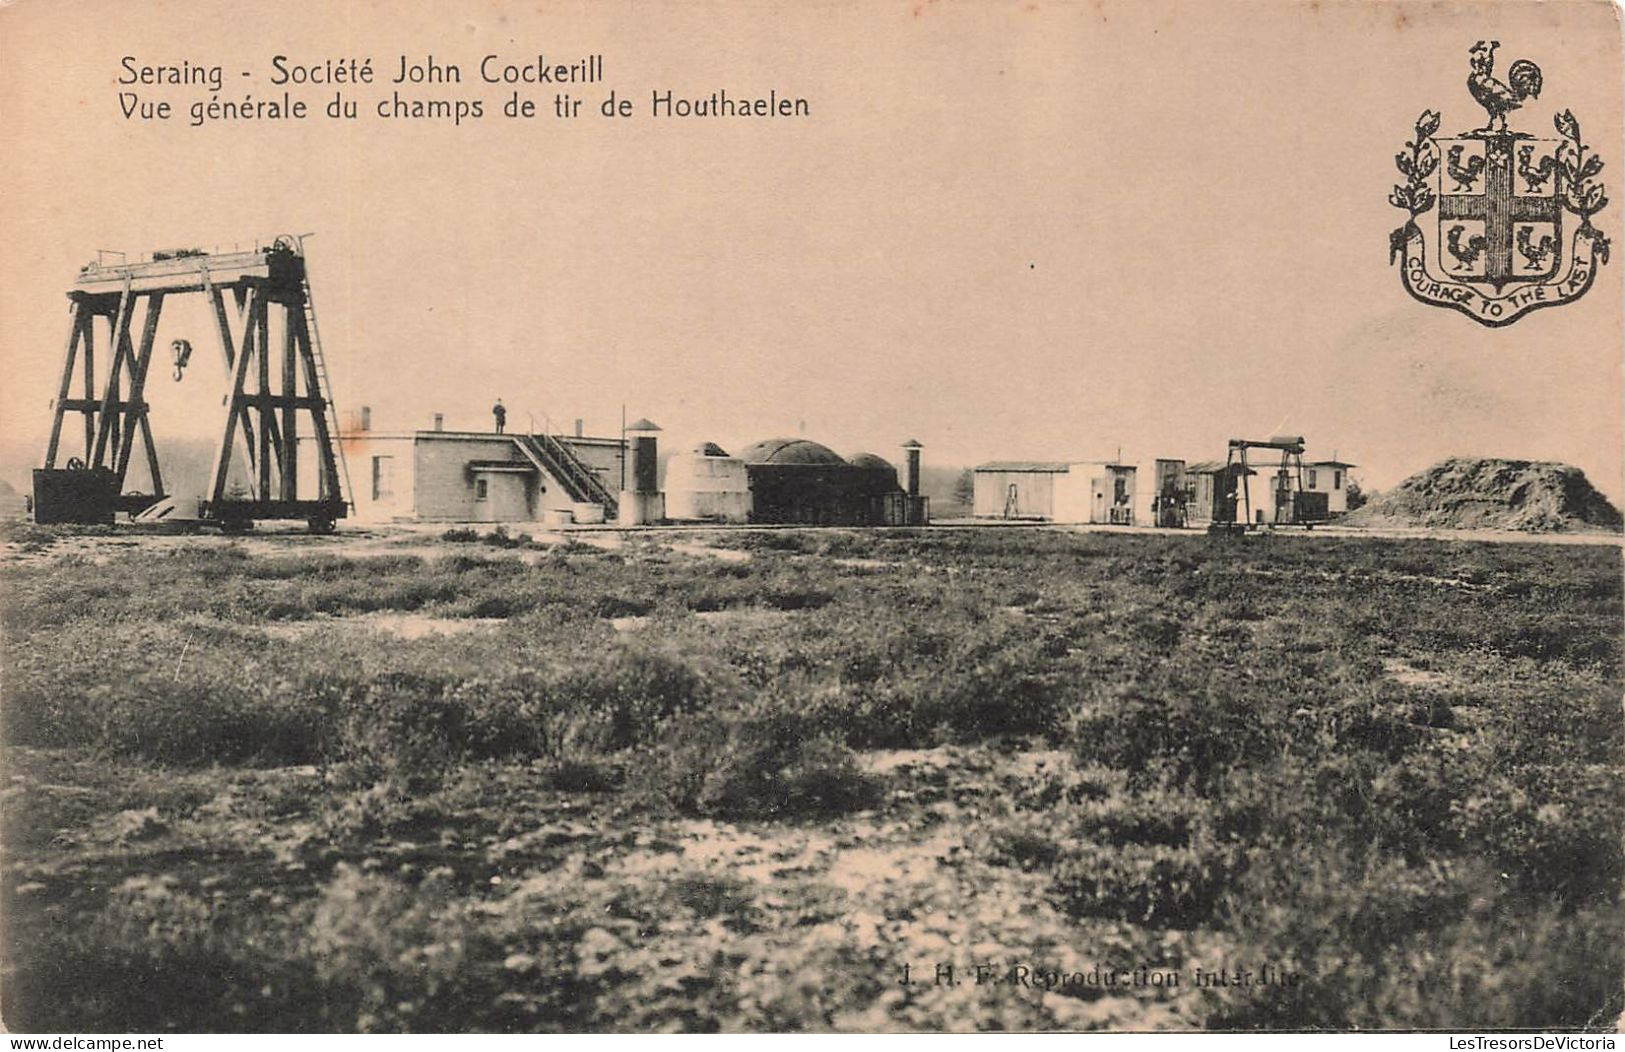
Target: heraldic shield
(1499,244)
(1499,221)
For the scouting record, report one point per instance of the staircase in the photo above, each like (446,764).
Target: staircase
(558,461)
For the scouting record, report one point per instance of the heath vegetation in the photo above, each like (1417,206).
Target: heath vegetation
(738,782)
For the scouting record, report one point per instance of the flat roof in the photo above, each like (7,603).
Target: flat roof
(506,436)
(1024,465)
(1056,467)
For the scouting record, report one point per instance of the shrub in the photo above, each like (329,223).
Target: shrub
(190,722)
(1555,830)
(393,958)
(1027,846)
(399,727)
(1381,944)
(386,806)
(1156,885)
(638,687)
(996,681)
(1146,858)
(219,972)
(1175,729)
(766,761)
(584,776)
(499,538)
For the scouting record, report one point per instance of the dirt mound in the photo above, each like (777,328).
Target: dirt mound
(1475,493)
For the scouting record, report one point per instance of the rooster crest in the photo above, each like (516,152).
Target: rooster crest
(1535,253)
(1535,175)
(1499,245)
(1464,175)
(1466,255)
(1498,99)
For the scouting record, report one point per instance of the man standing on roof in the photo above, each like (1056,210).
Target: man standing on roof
(501,414)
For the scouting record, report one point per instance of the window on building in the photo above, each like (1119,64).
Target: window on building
(383,477)
(1337,480)
(480,489)
(1312,482)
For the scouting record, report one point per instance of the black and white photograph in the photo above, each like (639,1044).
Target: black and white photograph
(895,517)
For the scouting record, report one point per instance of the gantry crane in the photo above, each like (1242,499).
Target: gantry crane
(272,396)
(1293,505)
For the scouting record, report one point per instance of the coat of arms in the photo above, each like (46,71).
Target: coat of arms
(1504,243)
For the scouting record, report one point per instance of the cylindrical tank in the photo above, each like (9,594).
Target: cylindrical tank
(707,485)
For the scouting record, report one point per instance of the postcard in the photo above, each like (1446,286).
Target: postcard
(887,517)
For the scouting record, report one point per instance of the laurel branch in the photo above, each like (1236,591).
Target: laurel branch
(1581,192)
(1416,194)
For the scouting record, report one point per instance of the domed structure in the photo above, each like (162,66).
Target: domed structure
(797,480)
(790,451)
(869,460)
(879,474)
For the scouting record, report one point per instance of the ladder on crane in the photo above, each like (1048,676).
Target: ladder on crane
(319,361)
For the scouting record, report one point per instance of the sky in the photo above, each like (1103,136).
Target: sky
(1027,230)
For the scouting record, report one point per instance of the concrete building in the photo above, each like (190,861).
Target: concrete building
(707,485)
(471,476)
(1330,477)
(1165,492)
(1086,491)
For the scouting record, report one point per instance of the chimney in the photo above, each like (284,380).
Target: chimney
(440,421)
(643,503)
(579,425)
(366,418)
(645,459)
(911,467)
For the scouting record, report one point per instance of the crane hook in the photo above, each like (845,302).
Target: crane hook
(182,352)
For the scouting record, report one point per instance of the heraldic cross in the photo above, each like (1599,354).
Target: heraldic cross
(1499,207)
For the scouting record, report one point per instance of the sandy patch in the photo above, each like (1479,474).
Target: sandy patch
(400,625)
(1406,674)
(747,616)
(727,555)
(903,761)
